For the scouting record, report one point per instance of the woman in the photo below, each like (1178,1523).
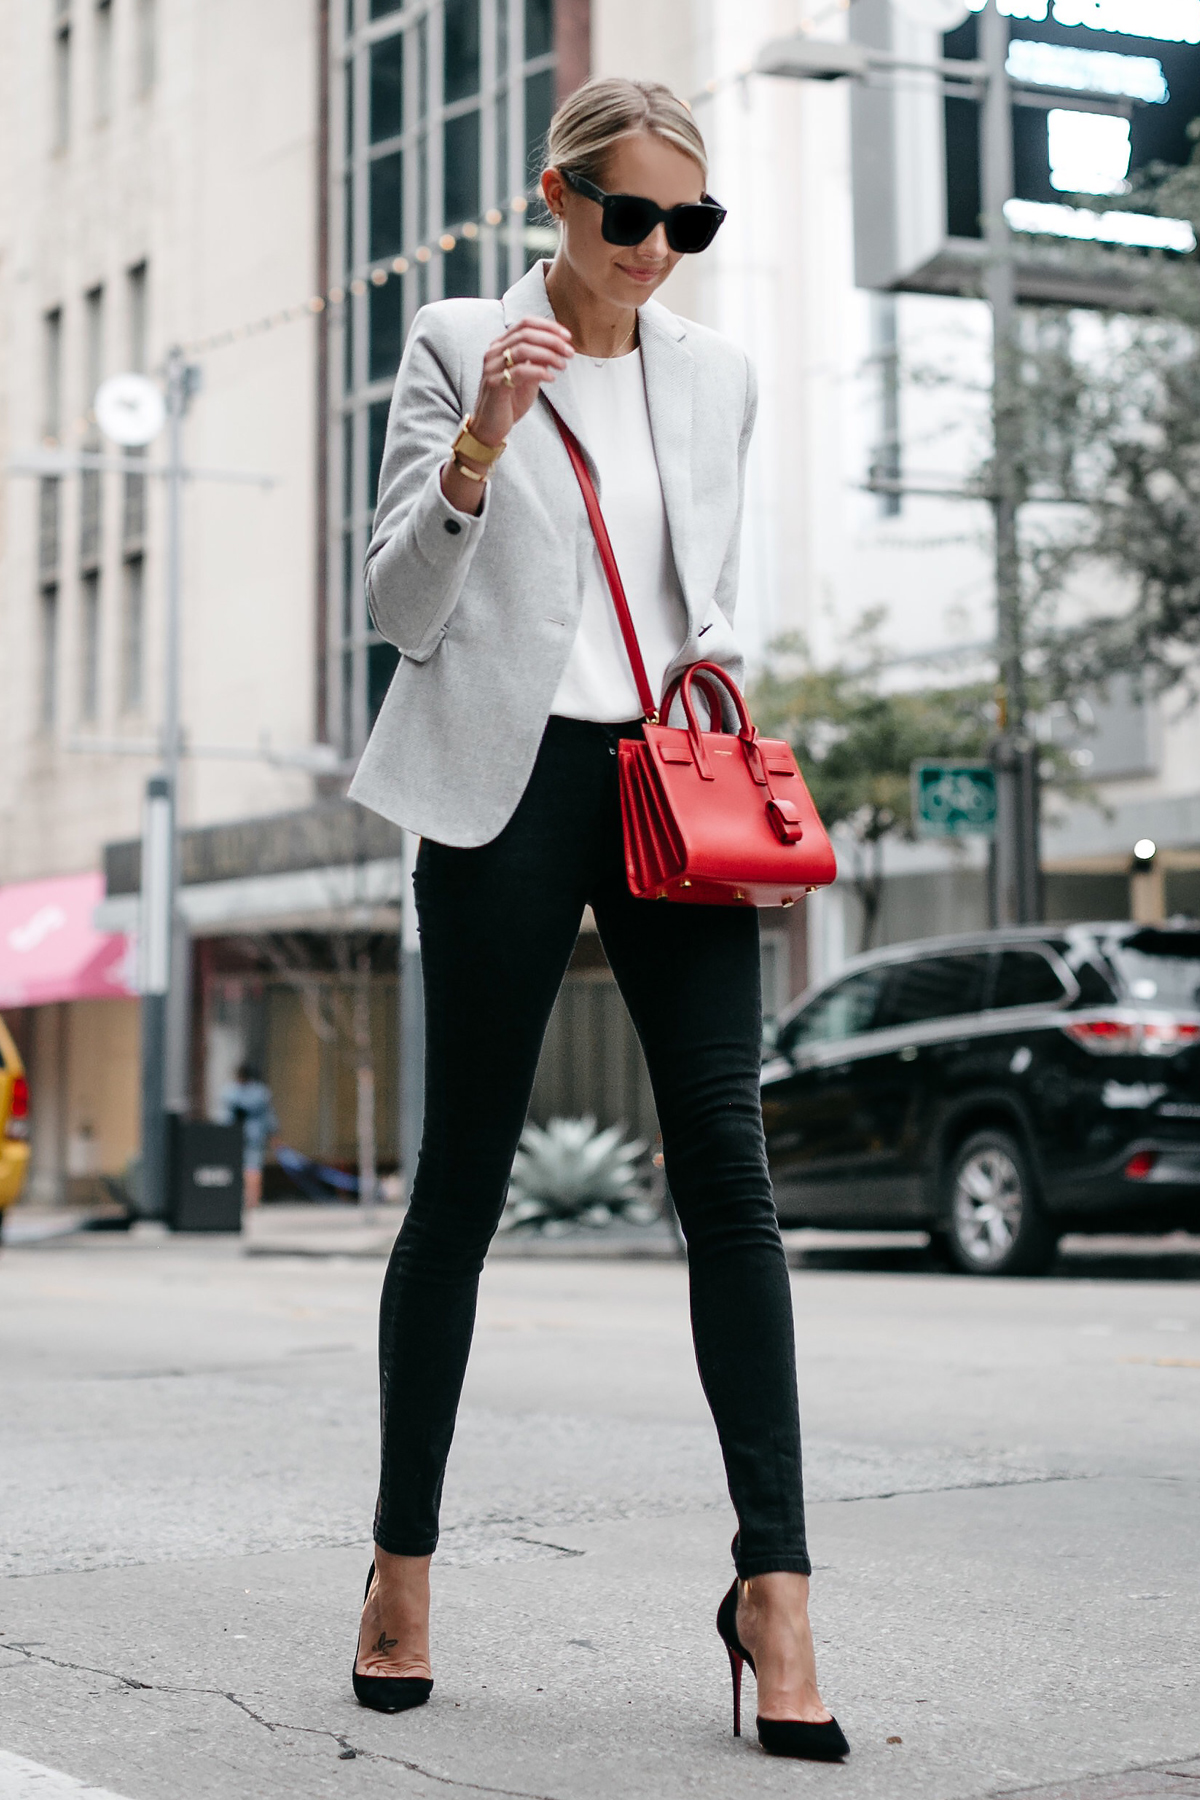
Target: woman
(248,1098)
(497,743)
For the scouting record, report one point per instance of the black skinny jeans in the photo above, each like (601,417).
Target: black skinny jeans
(497,927)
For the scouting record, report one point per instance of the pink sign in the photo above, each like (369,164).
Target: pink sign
(50,950)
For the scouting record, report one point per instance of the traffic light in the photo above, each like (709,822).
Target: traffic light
(1093,104)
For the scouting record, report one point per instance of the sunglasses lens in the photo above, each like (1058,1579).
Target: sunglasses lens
(627,219)
(692,228)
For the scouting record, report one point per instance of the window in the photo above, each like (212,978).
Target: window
(136,316)
(460,162)
(387,88)
(91,489)
(102,48)
(1160,968)
(442,100)
(133,509)
(539,27)
(1025,978)
(89,648)
(48,699)
(50,486)
(460,37)
(147,44)
(387,207)
(61,114)
(934,987)
(843,1011)
(133,625)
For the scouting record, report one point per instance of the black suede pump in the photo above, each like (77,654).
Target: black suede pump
(388,1693)
(778,1737)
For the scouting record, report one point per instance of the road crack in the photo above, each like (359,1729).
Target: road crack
(129,1683)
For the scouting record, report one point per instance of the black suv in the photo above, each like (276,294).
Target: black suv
(996,1090)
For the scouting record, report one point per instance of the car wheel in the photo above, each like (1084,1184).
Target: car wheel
(993,1223)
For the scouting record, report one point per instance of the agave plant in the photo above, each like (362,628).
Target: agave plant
(568,1173)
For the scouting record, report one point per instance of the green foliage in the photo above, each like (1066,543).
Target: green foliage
(571,1174)
(1110,427)
(856,742)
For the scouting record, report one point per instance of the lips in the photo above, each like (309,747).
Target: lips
(642,275)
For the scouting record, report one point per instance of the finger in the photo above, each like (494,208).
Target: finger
(553,353)
(535,331)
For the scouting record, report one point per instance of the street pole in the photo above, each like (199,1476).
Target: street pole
(1015,861)
(164,1054)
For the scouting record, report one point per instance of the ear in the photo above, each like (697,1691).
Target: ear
(554,192)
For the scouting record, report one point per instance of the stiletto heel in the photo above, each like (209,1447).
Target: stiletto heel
(735,1669)
(387,1693)
(778,1737)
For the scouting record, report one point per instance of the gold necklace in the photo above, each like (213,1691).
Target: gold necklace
(612,353)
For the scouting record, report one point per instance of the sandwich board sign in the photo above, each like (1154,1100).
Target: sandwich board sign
(952,799)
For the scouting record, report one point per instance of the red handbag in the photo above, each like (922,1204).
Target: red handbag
(714,817)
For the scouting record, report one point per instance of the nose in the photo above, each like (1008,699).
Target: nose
(655,247)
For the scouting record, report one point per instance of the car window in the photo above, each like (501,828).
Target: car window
(1095,987)
(1160,968)
(1025,978)
(843,1011)
(934,987)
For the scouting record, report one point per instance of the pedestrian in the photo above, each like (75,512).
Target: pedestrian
(497,744)
(248,1098)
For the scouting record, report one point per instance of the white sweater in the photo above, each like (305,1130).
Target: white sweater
(597,682)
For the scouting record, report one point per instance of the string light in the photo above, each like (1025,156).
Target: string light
(378,276)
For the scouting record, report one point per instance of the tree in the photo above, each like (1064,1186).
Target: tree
(1111,429)
(856,742)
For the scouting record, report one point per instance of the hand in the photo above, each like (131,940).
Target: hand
(537,349)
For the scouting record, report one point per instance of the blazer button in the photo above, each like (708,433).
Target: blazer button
(453,527)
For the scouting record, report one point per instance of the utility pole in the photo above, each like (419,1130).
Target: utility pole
(164,958)
(1015,859)
(1015,864)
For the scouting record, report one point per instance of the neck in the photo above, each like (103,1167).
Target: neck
(598,327)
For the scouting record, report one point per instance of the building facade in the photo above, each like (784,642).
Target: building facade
(277,188)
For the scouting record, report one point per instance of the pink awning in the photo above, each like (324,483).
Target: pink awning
(50,950)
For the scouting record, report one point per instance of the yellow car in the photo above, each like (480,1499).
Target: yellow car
(14,1120)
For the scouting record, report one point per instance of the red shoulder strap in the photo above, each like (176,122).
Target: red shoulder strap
(612,574)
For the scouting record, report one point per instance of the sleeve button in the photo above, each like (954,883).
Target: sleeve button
(453,527)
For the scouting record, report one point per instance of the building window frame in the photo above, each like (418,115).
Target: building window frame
(493,258)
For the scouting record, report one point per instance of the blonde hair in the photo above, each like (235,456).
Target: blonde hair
(592,120)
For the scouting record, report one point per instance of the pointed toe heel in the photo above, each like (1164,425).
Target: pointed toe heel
(388,1693)
(779,1737)
(796,1737)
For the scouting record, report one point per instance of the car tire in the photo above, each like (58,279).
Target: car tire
(993,1223)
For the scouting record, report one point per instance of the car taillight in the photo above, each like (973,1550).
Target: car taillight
(1105,1037)
(17,1125)
(1132,1036)
(1163,1037)
(1140,1164)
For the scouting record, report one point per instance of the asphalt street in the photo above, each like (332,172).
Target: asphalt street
(1004,1484)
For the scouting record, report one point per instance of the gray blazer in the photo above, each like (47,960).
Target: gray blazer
(485,610)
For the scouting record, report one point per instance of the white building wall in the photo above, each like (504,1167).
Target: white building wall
(208,176)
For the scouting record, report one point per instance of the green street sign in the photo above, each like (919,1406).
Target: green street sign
(954,799)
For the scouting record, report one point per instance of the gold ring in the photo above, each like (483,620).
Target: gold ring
(507,379)
(508,359)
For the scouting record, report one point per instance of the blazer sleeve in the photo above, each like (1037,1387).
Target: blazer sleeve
(727,581)
(421,547)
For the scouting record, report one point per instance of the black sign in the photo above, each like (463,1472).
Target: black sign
(1067,145)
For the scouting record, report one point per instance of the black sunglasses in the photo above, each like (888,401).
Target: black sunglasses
(628,219)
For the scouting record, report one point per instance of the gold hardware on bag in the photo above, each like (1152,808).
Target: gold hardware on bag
(685,884)
(738,894)
(790,901)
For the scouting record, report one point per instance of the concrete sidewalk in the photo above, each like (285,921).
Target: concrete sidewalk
(1004,1490)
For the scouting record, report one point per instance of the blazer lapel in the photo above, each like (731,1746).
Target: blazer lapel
(668,368)
(526,299)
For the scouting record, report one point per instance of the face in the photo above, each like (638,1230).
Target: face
(640,164)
